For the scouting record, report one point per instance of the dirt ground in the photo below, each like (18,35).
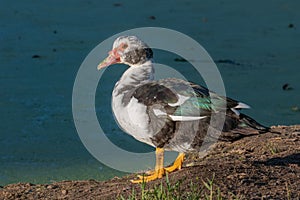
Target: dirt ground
(259,167)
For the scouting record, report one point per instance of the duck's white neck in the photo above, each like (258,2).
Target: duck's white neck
(134,76)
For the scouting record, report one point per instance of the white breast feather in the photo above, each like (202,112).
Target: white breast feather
(132,118)
(137,113)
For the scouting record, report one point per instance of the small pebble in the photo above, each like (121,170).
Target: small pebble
(29,184)
(296,134)
(51,186)
(64,192)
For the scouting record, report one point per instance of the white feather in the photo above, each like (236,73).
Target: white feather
(184,147)
(242,105)
(235,111)
(185,118)
(132,118)
(137,114)
(158,112)
(181,100)
(239,106)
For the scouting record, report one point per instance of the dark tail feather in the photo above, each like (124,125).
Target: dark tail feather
(247,127)
(253,124)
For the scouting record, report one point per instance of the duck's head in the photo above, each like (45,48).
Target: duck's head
(128,50)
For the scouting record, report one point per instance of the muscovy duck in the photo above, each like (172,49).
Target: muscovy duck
(170,114)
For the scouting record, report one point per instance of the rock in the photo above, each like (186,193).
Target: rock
(64,192)
(52,186)
(29,184)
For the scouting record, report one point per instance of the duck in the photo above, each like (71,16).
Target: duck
(170,114)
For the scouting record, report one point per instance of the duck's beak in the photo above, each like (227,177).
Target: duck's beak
(110,60)
(113,57)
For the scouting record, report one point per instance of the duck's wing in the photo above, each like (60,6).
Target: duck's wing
(173,103)
(183,101)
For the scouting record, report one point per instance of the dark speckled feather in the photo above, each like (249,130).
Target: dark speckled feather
(158,95)
(154,93)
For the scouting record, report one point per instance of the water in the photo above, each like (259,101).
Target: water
(38,140)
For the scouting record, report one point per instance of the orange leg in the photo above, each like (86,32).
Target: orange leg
(159,168)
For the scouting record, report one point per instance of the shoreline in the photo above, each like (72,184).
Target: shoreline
(263,166)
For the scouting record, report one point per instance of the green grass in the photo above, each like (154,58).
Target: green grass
(196,190)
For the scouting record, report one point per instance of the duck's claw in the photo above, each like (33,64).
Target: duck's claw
(177,163)
(155,175)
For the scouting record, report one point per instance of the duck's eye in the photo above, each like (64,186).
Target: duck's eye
(124,46)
